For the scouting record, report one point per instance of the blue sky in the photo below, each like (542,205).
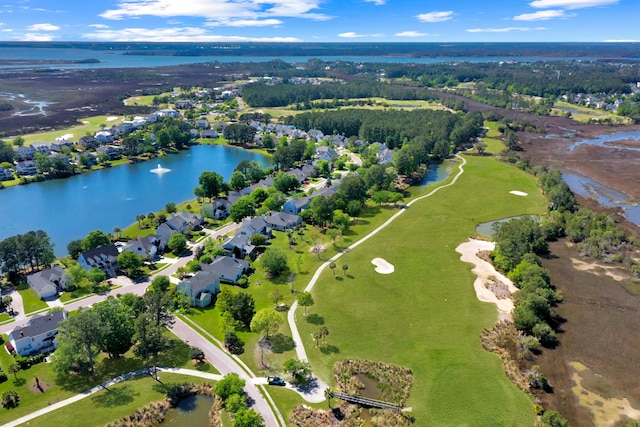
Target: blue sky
(321,20)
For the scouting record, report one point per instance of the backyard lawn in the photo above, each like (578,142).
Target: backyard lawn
(425,315)
(31,300)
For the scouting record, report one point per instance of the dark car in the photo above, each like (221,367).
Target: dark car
(276,381)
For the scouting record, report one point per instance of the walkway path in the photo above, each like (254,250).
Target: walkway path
(300,350)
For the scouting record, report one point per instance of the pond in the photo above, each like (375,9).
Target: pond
(192,411)
(68,209)
(608,141)
(608,197)
(486,228)
(437,172)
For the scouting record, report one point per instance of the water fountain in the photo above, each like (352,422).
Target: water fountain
(160,170)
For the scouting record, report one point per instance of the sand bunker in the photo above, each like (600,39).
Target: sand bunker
(485,272)
(112,118)
(65,137)
(518,193)
(382,266)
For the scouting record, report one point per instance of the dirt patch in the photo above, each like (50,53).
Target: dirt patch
(616,273)
(39,386)
(598,327)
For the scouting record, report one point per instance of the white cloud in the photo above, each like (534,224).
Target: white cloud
(99,26)
(43,27)
(542,15)
(411,34)
(220,10)
(176,34)
(504,30)
(350,35)
(246,23)
(570,4)
(435,16)
(36,37)
(376,2)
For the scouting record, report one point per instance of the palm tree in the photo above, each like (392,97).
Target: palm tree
(14,369)
(140,218)
(332,266)
(117,230)
(345,267)
(329,394)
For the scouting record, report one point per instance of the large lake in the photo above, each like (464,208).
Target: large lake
(113,59)
(67,209)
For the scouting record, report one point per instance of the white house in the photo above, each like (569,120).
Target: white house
(47,283)
(104,257)
(146,247)
(26,167)
(38,335)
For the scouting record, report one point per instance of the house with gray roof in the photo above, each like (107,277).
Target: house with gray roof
(5,174)
(255,225)
(38,335)
(47,283)
(200,288)
(147,247)
(42,148)
(283,221)
(327,153)
(104,257)
(239,246)
(296,205)
(179,222)
(26,167)
(218,209)
(228,268)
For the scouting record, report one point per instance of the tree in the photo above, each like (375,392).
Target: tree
(345,267)
(79,338)
(329,394)
(274,261)
(10,399)
(332,266)
(334,233)
(229,385)
(140,218)
(248,418)
(241,306)
(150,339)
(341,220)
(95,239)
(160,284)
(322,208)
(276,297)
(305,299)
(6,302)
(117,320)
(353,188)
(96,276)
(74,248)
(354,207)
(481,147)
(243,207)
(285,182)
(117,230)
(177,243)
(267,141)
(76,275)
(238,181)
(197,354)
(267,321)
(299,370)
(212,184)
(233,343)
(171,207)
(14,368)
(258,239)
(131,263)
(553,419)
(18,141)
(157,304)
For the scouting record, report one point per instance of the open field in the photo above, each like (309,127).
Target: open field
(584,114)
(89,125)
(425,315)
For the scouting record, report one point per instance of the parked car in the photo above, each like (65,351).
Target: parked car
(276,381)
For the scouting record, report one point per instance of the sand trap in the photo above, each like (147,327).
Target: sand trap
(112,118)
(483,270)
(64,137)
(518,193)
(382,266)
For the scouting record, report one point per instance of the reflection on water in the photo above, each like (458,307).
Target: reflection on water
(437,172)
(192,411)
(608,141)
(486,228)
(608,197)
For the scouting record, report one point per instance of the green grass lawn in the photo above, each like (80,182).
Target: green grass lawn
(31,300)
(584,114)
(425,315)
(87,124)
(119,401)
(62,386)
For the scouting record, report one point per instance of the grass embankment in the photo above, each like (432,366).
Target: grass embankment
(425,315)
(58,387)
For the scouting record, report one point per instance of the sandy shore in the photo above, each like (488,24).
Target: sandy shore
(483,270)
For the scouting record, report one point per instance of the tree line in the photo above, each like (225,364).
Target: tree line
(29,251)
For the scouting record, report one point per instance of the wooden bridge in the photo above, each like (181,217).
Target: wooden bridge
(365,401)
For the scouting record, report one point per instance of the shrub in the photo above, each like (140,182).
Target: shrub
(10,399)
(3,376)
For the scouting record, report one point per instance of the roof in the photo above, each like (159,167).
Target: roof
(282,218)
(99,253)
(38,281)
(144,243)
(39,324)
(241,242)
(226,266)
(201,281)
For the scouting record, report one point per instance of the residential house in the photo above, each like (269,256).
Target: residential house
(200,288)
(88,142)
(179,222)
(38,335)
(385,155)
(169,112)
(26,168)
(58,145)
(104,257)
(327,153)
(5,174)
(104,137)
(42,148)
(59,156)
(110,150)
(265,184)
(218,209)
(315,134)
(283,221)
(255,225)
(183,104)
(209,133)
(202,124)
(296,205)
(25,153)
(229,269)
(47,283)
(239,246)
(147,247)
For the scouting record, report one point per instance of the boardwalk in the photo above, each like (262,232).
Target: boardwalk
(365,401)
